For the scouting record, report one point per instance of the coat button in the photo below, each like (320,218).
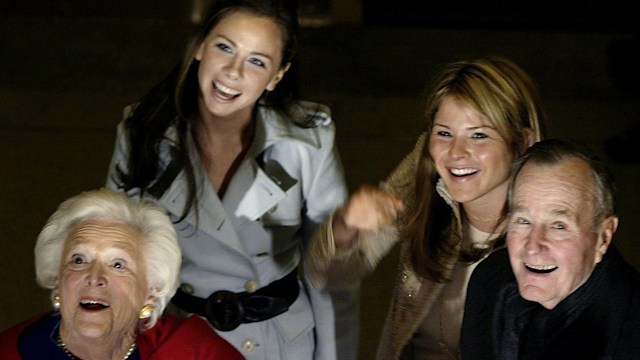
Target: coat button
(248,346)
(251,286)
(187,288)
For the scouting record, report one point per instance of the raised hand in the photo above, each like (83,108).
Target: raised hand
(368,209)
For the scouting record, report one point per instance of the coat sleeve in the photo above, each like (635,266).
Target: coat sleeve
(330,267)
(326,188)
(9,340)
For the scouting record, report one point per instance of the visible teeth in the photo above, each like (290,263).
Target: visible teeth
(93,302)
(466,171)
(542,269)
(226,90)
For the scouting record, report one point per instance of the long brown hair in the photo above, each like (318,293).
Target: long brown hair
(503,92)
(173,102)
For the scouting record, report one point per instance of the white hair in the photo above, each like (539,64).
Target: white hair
(157,235)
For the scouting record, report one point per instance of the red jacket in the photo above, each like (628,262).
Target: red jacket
(171,338)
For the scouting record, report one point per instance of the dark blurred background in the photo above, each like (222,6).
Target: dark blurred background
(68,67)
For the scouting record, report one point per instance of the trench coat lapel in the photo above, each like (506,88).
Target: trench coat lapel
(251,193)
(212,217)
(255,189)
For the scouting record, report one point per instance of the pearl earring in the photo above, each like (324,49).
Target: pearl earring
(56,302)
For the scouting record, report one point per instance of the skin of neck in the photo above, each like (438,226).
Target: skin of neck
(228,130)
(233,123)
(483,214)
(111,347)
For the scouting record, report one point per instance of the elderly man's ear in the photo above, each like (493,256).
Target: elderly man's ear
(605,236)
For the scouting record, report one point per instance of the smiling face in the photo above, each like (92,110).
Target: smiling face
(470,156)
(103,282)
(239,59)
(552,244)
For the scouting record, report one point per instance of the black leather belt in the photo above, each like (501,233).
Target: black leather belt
(226,310)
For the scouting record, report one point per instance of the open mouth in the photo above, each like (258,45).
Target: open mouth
(224,92)
(462,171)
(93,305)
(540,269)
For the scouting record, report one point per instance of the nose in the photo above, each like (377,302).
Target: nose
(96,275)
(458,149)
(535,240)
(233,69)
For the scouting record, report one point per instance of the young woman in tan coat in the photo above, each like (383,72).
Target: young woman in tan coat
(442,203)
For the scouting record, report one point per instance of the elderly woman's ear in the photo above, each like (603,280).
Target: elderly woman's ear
(146,311)
(149,306)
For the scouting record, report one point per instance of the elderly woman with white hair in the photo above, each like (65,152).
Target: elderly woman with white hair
(112,265)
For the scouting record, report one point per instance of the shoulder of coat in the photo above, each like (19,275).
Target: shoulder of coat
(310,114)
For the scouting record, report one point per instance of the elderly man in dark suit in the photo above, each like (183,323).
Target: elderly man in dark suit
(560,290)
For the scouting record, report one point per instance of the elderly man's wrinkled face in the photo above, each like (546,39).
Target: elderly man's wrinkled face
(102,283)
(552,244)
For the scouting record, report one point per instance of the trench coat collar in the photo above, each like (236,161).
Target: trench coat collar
(251,193)
(272,127)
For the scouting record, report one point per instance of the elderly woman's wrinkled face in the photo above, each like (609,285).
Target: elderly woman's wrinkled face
(102,283)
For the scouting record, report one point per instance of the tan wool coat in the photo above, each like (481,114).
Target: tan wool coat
(413,296)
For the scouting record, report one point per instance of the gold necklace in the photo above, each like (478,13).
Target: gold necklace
(62,346)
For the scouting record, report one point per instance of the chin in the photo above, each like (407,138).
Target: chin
(532,294)
(462,197)
(93,332)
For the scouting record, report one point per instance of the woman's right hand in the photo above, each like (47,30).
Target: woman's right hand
(368,209)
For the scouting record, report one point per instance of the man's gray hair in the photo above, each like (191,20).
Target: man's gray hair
(553,151)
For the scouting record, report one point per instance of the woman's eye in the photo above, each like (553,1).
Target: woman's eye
(559,226)
(443,133)
(77,259)
(257,62)
(480,135)
(223,47)
(521,221)
(119,264)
